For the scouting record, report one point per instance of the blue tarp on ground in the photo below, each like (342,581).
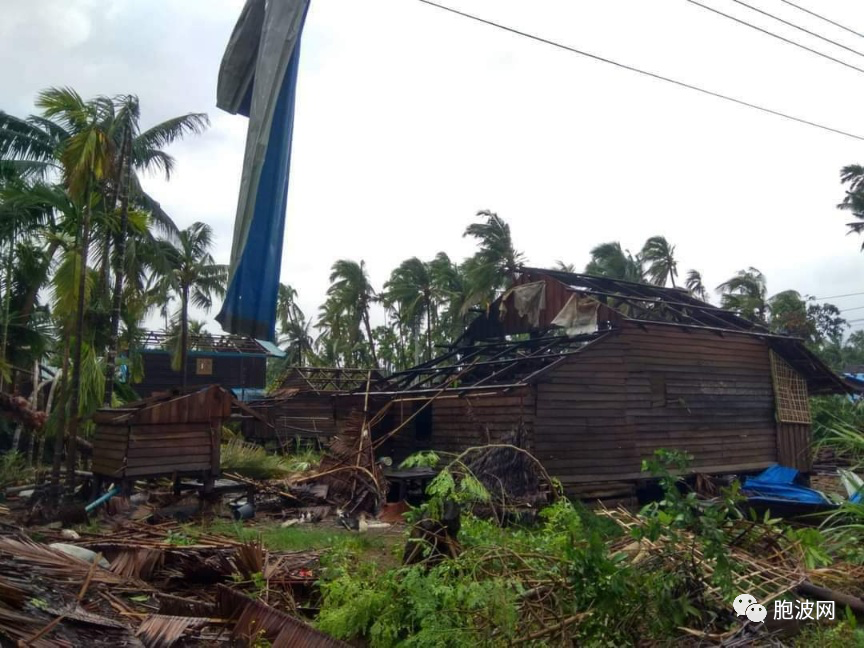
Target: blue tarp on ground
(778,483)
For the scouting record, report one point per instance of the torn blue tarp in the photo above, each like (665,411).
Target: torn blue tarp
(853,484)
(258,78)
(777,483)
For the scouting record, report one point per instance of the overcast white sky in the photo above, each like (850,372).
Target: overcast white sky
(410,119)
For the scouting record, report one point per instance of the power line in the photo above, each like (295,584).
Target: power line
(777,36)
(798,27)
(653,75)
(828,20)
(846,310)
(838,296)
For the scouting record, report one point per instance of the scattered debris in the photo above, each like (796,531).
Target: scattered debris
(18,409)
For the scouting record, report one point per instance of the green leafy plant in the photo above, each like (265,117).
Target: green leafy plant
(14,469)
(179,538)
(255,462)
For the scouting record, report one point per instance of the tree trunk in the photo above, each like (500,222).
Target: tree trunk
(184,331)
(114,343)
(369,335)
(428,331)
(7,311)
(61,424)
(75,394)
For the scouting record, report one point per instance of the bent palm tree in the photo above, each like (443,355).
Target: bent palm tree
(495,261)
(660,256)
(347,307)
(610,260)
(746,294)
(410,288)
(695,286)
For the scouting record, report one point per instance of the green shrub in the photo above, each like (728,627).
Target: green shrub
(255,462)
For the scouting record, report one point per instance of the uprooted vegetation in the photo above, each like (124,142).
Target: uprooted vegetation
(496,555)
(613,578)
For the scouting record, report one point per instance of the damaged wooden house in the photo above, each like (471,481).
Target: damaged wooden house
(597,374)
(305,407)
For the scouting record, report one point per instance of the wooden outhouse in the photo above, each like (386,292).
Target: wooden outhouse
(167,435)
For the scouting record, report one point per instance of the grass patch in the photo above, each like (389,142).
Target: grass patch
(375,546)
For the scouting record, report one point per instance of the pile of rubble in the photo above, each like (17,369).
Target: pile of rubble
(150,585)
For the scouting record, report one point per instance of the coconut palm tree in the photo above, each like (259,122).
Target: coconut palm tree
(294,328)
(560,266)
(347,308)
(611,260)
(137,150)
(448,290)
(853,175)
(746,294)
(494,263)
(410,288)
(659,254)
(695,286)
(194,277)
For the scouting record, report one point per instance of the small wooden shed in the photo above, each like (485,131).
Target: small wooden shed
(599,373)
(167,435)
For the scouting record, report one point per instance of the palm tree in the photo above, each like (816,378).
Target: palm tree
(138,150)
(411,288)
(347,307)
(294,328)
(746,294)
(660,256)
(287,310)
(560,266)
(695,286)
(195,277)
(853,175)
(494,263)
(298,342)
(85,157)
(610,260)
(448,289)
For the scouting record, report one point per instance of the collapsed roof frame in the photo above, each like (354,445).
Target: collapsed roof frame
(464,367)
(649,301)
(490,366)
(205,342)
(333,379)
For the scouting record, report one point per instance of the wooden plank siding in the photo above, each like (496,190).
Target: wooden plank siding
(305,415)
(603,411)
(794,447)
(177,436)
(458,423)
(229,370)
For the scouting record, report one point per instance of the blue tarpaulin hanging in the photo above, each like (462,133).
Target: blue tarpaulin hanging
(258,78)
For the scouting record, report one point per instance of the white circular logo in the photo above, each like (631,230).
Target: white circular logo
(741,603)
(756,613)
